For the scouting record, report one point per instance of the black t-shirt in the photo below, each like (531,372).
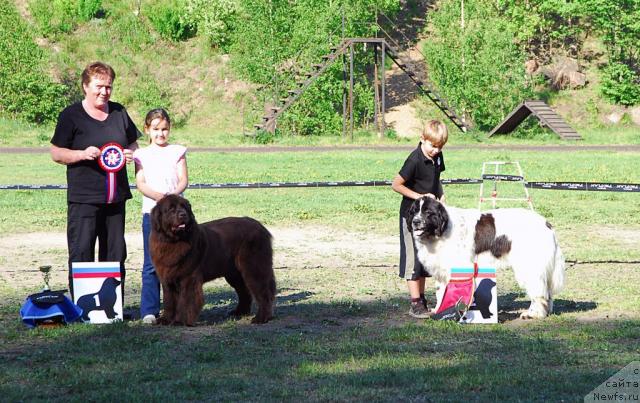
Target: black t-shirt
(421,175)
(76,130)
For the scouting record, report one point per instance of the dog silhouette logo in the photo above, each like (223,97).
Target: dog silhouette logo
(103,300)
(482,298)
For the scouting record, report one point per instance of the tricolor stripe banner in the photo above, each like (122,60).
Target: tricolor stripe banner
(95,269)
(467,272)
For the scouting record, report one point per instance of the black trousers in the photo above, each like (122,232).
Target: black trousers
(88,222)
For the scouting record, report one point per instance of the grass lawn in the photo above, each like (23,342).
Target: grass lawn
(341,332)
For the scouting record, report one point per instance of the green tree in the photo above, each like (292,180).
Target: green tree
(275,41)
(619,24)
(543,27)
(477,67)
(26,91)
(214,19)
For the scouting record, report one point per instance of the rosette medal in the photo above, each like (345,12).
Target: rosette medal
(111,160)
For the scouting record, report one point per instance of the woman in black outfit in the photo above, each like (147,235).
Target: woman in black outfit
(95,198)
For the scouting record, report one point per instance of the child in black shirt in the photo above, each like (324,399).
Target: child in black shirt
(419,176)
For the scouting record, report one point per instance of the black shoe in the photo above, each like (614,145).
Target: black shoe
(419,310)
(454,313)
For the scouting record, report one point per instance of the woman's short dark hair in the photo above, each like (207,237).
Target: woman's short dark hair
(97,69)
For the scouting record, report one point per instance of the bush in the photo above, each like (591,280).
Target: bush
(88,9)
(621,84)
(131,31)
(213,19)
(26,92)
(319,110)
(33,99)
(54,17)
(62,16)
(148,94)
(617,22)
(479,70)
(543,27)
(171,21)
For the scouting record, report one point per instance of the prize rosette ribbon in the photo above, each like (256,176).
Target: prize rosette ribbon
(111,160)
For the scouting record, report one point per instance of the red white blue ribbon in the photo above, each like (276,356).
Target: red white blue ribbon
(111,160)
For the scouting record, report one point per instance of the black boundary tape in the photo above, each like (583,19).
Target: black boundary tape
(508,178)
(599,187)
(585,186)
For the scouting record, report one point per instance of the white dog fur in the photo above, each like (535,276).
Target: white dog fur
(447,237)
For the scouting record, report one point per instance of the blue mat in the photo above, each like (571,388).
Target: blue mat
(49,307)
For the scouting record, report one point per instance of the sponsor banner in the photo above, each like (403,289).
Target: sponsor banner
(584,186)
(506,178)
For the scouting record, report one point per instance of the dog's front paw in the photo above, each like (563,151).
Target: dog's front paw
(528,315)
(533,313)
(259,319)
(539,309)
(239,312)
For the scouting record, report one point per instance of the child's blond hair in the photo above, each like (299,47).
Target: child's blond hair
(436,132)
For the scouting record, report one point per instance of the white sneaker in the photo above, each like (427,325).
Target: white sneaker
(149,320)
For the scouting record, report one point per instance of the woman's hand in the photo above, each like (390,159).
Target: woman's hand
(128,155)
(90,153)
(128,152)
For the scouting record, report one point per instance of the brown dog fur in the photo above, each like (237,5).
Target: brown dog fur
(187,254)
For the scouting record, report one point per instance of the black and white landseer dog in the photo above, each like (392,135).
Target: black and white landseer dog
(447,237)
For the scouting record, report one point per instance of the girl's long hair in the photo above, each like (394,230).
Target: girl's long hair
(157,113)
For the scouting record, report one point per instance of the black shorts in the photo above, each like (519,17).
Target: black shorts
(410,267)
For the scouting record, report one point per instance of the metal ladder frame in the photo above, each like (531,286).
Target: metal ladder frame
(497,177)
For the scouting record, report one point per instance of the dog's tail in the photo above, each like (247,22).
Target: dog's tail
(556,280)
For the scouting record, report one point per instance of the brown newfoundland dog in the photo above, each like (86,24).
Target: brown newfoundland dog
(187,254)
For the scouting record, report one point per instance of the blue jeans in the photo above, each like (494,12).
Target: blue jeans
(150,294)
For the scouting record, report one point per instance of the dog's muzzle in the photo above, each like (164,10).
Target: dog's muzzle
(182,219)
(418,225)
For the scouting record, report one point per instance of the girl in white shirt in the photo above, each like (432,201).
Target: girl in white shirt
(161,169)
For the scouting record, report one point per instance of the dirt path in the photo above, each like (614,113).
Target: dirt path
(407,147)
(402,94)
(22,254)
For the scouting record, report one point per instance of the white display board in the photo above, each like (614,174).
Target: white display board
(97,289)
(484,308)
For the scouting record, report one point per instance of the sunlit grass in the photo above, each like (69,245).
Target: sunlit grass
(341,333)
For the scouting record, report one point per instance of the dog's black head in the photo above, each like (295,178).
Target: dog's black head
(172,218)
(427,218)
(111,283)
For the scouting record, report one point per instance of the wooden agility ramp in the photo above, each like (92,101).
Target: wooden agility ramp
(427,88)
(547,116)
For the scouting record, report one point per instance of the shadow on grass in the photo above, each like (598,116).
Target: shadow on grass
(510,306)
(219,304)
(225,301)
(316,351)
